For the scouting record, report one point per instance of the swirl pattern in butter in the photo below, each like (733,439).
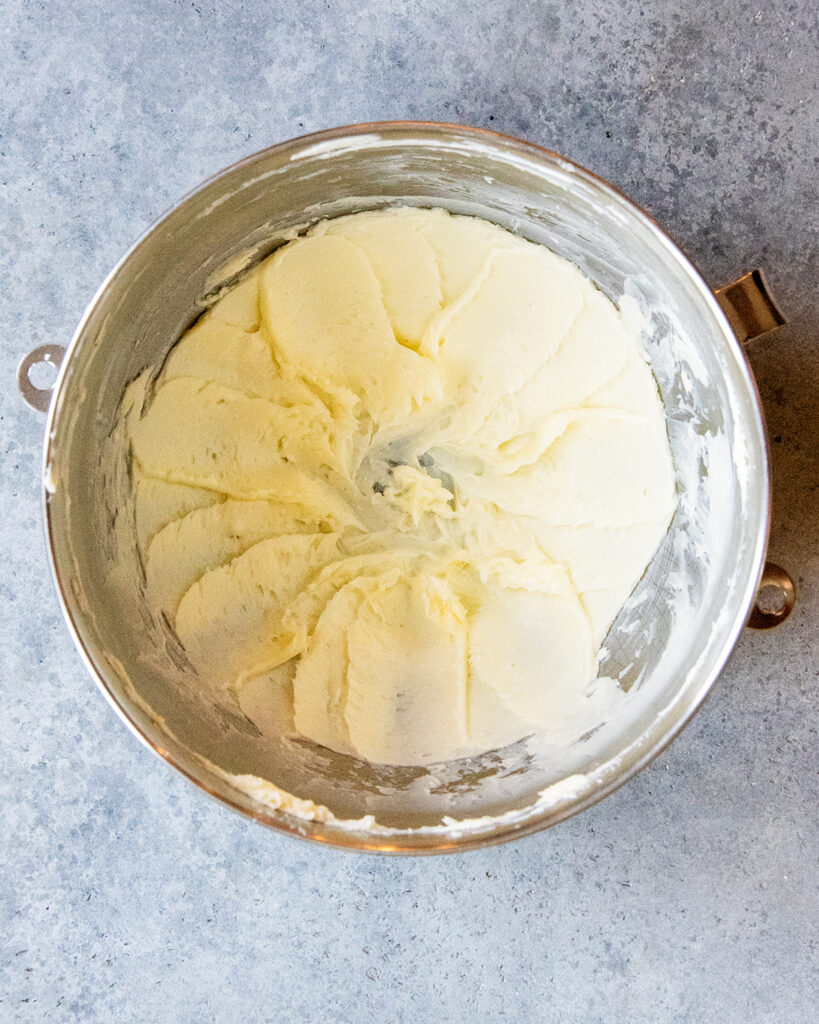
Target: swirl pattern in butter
(403,476)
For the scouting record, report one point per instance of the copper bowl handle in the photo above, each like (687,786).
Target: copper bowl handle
(751,310)
(774,578)
(38,398)
(750,307)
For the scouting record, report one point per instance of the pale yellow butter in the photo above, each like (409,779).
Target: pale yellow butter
(411,467)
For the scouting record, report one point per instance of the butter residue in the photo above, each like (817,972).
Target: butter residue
(408,469)
(267,794)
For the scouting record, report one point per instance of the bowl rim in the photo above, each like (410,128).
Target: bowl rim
(340,836)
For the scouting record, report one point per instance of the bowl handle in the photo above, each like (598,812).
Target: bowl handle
(751,310)
(774,578)
(749,306)
(38,398)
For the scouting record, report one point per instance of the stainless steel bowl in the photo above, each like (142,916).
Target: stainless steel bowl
(667,646)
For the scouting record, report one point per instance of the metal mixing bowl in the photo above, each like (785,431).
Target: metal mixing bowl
(669,642)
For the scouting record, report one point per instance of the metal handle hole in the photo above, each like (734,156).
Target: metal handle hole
(43,375)
(771,599)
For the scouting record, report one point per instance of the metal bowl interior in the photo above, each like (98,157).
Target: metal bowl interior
(669,642)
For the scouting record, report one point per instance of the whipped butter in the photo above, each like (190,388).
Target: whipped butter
(400,480)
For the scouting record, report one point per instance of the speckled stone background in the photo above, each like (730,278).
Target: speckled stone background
(687,896)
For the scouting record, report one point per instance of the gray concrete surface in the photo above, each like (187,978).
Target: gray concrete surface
(687,896)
